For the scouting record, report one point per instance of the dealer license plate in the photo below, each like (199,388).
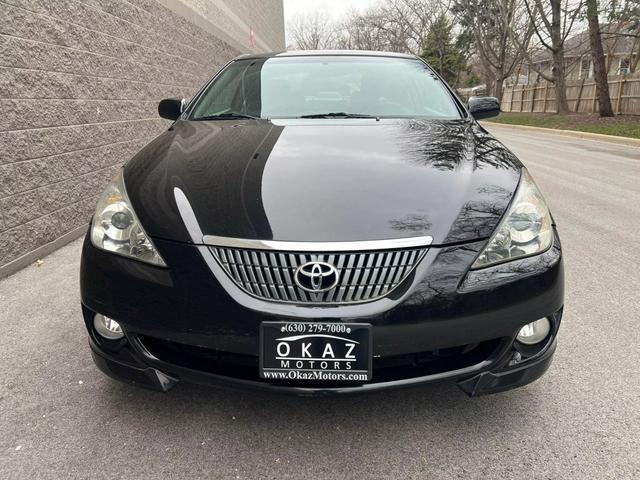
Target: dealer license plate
(315,351)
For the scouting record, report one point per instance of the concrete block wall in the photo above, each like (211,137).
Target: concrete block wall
(79,86)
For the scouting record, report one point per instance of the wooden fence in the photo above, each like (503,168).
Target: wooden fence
(581,96)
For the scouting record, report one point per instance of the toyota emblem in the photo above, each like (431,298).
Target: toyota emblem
(316,277)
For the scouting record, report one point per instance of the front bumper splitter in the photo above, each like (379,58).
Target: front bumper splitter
(472,380)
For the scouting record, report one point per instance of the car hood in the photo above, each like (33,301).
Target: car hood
(325,180)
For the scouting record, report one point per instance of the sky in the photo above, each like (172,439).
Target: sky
(334,8)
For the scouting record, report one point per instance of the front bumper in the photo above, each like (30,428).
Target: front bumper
(487,381)
(447,323)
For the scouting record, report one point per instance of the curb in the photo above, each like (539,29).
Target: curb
(14,266)
(633,142)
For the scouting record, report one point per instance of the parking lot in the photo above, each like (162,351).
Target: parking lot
(61,418)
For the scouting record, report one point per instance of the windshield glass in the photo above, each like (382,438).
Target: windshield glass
(293,87)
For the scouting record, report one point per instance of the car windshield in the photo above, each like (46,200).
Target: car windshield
(326,87)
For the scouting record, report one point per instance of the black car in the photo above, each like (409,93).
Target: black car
(319,223)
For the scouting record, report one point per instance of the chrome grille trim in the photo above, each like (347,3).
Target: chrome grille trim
(314,247)
(363,275)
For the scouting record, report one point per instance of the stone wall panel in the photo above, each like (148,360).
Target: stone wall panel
(80,81)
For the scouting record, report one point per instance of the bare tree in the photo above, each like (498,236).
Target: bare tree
(492,25)
(415,18)
(599,64)
(392,25)
(374,29)
(312,32)
(552,22)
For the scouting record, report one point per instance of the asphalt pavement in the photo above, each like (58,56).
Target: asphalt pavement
(61,418)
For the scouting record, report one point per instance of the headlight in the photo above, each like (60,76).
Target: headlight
(116,228)
(524,230)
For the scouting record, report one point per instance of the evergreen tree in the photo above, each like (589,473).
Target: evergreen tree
(442,52)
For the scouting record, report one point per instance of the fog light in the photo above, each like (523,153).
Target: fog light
(107,327)
(534,332)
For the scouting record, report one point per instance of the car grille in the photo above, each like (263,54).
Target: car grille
(362,276)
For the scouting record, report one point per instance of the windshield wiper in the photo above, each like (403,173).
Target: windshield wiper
(226,116)
(339,115)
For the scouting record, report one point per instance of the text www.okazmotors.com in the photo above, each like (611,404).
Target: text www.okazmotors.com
(296,375)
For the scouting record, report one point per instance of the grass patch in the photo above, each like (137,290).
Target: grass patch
(620,125)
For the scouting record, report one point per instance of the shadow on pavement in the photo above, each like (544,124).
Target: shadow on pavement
(440,407)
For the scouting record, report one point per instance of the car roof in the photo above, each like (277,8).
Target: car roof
(311,53)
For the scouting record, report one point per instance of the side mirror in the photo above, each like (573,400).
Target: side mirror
(171,108)
(484,107)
